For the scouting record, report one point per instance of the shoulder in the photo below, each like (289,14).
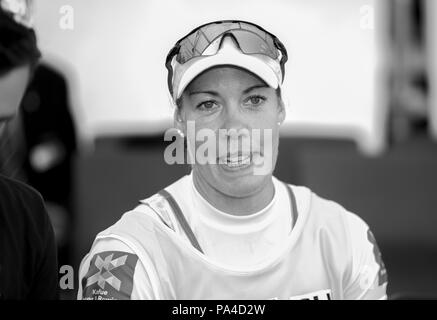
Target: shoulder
(21,203)
(138,228)
(14,190)
(29,232)
(330,220)
(151,212)
(49,74)
(328,213)
(107,249)
(112,271)
(348,242)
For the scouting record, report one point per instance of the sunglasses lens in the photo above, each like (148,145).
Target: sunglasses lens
(253,43)
(250,38)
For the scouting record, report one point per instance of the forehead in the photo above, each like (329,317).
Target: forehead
(224,77)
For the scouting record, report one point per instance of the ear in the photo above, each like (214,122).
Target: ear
(281,110)
(179,120)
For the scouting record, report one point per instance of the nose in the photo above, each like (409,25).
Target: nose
(234,132)
(234,119)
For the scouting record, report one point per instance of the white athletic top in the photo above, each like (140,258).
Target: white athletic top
(175,245)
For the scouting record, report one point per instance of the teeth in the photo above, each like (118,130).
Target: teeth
(238,161)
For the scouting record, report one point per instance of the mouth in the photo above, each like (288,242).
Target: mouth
(236,162)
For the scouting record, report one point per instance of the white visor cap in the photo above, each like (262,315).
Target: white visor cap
(261,65)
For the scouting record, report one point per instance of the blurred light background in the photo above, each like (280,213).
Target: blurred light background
(361,123)
(117,50)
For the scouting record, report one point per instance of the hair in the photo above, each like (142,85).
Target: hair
(18,45)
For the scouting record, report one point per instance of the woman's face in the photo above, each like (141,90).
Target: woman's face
(233,104)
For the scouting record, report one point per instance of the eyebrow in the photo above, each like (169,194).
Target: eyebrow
(258,86)
(214,93)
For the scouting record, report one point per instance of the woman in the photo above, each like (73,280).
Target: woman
(230,230)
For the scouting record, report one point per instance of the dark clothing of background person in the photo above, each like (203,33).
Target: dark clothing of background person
(28,261)
(46,124)
(46,119)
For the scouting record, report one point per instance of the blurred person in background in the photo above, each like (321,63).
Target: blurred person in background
(28,257)
(43,141)
(225,231)
(409,79)
(49,145)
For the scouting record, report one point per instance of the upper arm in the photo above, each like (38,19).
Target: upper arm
(112,271)
(368,275)
(45,281)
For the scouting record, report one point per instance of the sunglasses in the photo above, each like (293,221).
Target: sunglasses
(250,38)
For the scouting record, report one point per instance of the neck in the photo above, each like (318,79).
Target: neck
(238,206)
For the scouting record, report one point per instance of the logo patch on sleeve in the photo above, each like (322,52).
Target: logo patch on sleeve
(110,276)
(382,274)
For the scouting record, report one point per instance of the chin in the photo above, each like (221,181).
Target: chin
(241,186)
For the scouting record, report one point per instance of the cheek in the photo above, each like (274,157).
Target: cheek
(269,133)
(269,139)
(268,115)
(10,102)
(12,88)
(200,121)
(267,121)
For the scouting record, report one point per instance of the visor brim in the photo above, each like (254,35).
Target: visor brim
(261,66)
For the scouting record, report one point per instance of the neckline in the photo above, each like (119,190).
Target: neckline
(228,222)
(262,267)
(227,215)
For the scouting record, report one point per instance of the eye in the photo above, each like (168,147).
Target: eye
(255,100)
(209,105)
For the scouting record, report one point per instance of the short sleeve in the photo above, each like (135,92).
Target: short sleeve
(368,275)
(112,271)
